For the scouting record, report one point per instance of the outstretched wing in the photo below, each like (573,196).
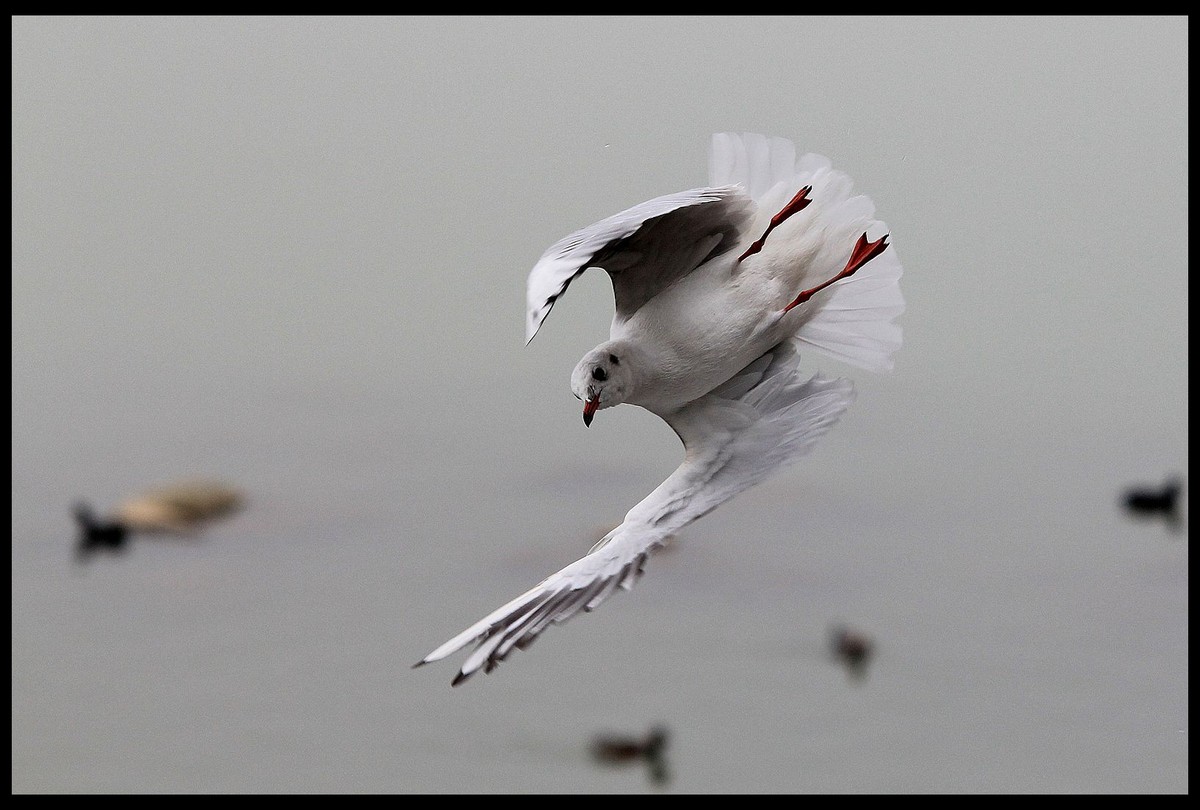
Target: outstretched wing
(615,562)
(645,249)
(763,418)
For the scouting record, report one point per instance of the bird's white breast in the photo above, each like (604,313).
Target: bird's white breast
(700,332)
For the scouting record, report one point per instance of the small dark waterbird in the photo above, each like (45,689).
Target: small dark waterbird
(613,749)
(1150,502)
(96,534)
(852,648)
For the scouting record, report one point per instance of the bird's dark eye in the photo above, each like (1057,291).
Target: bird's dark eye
(612,358)
(599,374)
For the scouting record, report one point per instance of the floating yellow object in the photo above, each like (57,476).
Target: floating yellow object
(180,508)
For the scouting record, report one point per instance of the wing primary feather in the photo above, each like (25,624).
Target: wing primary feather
(526,629)
(484,652)
(484,626)
(609,586)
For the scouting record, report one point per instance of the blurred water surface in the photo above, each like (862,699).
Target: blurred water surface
(291,253)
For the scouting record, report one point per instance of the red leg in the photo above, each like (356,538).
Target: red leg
(863,252)
(798,204)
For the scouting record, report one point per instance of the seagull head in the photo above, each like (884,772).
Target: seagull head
(602,379)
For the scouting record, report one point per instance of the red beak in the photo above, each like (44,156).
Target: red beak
(589,410)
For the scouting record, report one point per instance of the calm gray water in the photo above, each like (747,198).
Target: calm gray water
(291,253)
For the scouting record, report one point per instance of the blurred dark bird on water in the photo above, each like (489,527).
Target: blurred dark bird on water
(1149,502)
(852,648)
(180,509)
(613,749)
(96,534)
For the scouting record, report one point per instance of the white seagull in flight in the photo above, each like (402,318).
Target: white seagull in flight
(716,289)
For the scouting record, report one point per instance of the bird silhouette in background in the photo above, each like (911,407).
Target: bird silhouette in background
(179,509)
(97,534)
(852,648)
(1163,502)
(614,749)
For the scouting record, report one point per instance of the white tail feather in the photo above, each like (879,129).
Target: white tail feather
(853,320)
